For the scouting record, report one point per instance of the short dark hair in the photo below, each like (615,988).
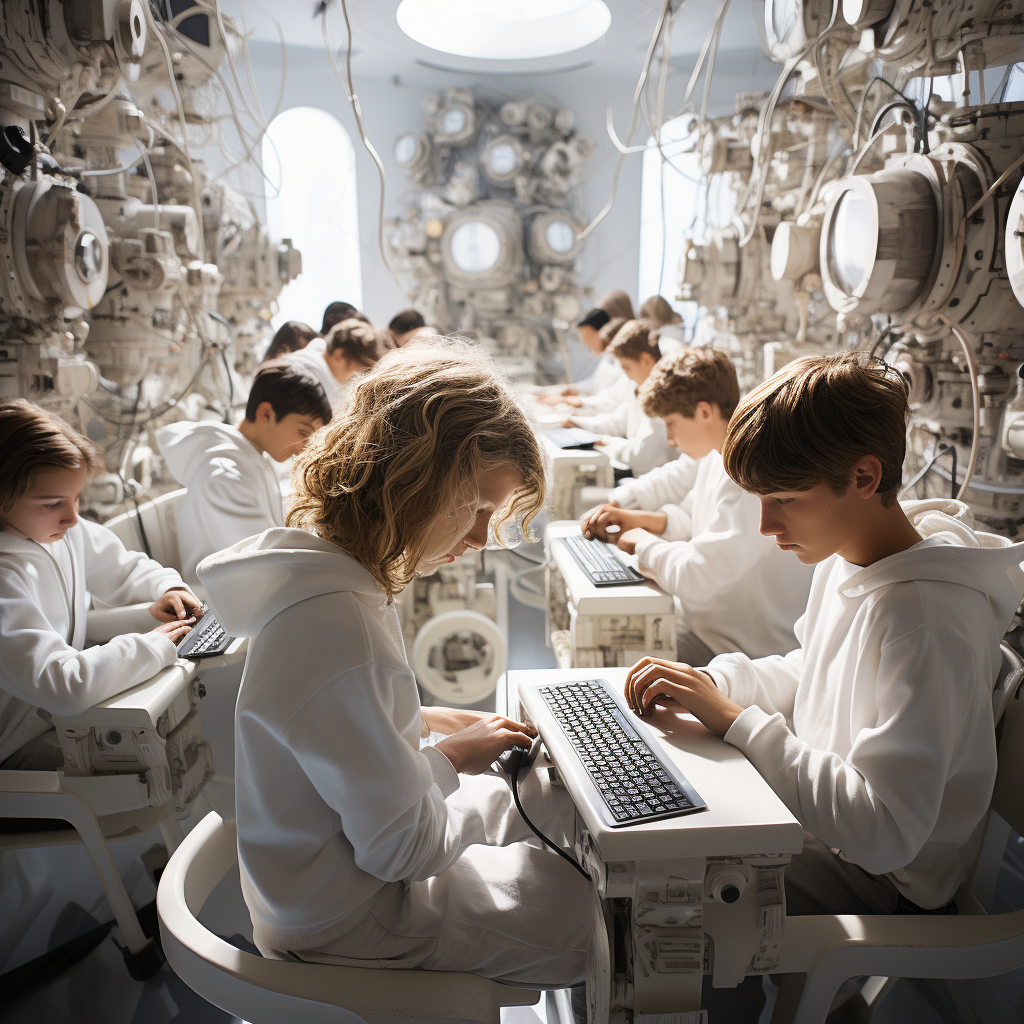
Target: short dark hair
(596,318)
(288,388)
(290,337)
(814,420)
(406,321)
(359,341)
(338,311)
(681,381)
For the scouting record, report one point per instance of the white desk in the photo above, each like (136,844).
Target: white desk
(672,872)
(573,469)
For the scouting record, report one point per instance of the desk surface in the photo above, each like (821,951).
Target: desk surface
(744,815)
(572,456)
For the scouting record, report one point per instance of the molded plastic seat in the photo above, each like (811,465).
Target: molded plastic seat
(263,991)
(159,523)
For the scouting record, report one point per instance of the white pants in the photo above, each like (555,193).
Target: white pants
(510,910)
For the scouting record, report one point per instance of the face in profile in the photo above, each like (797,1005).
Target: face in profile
(49,508)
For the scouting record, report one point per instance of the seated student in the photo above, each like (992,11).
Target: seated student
(336,312)
(617,303)
(607,385)
(405,325)
(629,436)
(233,489)
(668,324)
(51,562)
(355,846)
(349,347)
(700,541)
(877,730)
(290,337)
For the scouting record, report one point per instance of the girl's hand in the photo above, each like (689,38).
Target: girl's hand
(471,751)
(178,603)
(654,681)
(176,630)
(449,720)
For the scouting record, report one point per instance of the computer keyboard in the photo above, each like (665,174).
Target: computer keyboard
(601,567)
(207,639)
(571,438)
(635,783)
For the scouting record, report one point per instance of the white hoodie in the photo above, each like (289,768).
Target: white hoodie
(44,597)
(332,793)
(630,437)
(738,591)
(313,359)
(233,490)
(877,732)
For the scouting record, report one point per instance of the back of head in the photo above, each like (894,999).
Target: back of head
(680,381)
(633,340)
(33,441)
(405,321)
(288,387)
(814,420)
(658,311)
(338,311)
(617,303)
(612,328)
(290,337)
(359,341)
(594,318)
(416,431)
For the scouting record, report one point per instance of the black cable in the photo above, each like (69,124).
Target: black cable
(888,108)
(952,448)
(515,766)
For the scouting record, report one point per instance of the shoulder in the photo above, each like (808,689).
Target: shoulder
(934,606)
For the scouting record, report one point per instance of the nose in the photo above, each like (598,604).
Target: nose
(477,536)
(770,525)
(70,516)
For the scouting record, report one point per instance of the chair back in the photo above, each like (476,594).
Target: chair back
(1008,795)
(159,519)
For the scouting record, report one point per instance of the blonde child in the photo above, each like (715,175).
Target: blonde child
(355,846)
(51,563)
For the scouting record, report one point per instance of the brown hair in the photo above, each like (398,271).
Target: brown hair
(812,422)
(415,431)
(33,440)
(290,337)
(633,339)
(616,303)
(685,378)
(360,341)
(288,387)
(610,329)
(658,309)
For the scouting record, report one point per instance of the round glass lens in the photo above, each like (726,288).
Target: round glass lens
(88,257)
(560,236)
(502,158)
(406,149)
(453,120)
(851,241)
(475,246)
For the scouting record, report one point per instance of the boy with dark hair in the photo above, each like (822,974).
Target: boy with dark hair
(338,311)
(290,337)
(877,731)
(736,590)
(233,491)
(404,325)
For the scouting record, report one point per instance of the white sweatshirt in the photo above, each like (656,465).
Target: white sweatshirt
(45,591)
(333,795)
(313,359)
(738,591)
(605,388)
(661,490)
(877,732)
(631,438)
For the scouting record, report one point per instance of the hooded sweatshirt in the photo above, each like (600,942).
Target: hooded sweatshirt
(45,591)
(877,732)
(333,796)
(233,490)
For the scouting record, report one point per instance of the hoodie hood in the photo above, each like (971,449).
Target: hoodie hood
(953,551)
(256,579)
(188,445)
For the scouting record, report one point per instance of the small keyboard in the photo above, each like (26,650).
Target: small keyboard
(601,567)
(635,783)
(571,438)
(207,639)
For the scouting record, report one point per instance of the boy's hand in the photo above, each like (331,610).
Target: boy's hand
(176,630)
(654,681)
(472,751)
(176,604)
(596,522)
(449,720)
(570,422)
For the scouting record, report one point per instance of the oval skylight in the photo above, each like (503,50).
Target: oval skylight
(504,29)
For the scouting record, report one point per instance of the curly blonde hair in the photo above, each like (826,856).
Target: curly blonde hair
(417,430)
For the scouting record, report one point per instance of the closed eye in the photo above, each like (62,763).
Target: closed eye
(782,501)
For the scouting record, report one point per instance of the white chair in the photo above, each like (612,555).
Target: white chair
(157,522)
(270,991)
(822,952)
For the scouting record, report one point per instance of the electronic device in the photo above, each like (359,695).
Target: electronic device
(636,783)
(571,438)
(601,566)
(207,639)
(516,758)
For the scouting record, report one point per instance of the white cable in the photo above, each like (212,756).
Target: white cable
(976,397)
(995,184)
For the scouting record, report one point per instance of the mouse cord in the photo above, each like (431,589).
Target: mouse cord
(514,779)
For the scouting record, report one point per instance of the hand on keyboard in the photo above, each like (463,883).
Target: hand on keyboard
(654,681)
(176,631)
(177,603)
(609,522)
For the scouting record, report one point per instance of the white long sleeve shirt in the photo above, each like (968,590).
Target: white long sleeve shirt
(606,389)
(233,489)
(661,490)
(333,795)
(737,590)
(877,731)
(630,437)
(45,590)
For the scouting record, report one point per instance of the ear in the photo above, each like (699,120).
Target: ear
(265,413)
(704,411)
(866,475)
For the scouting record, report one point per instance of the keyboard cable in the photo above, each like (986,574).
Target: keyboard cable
(514,766)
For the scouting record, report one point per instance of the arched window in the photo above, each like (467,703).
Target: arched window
(308,152)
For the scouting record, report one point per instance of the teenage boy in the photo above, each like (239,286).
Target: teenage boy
(233,490)
(877,731)
(737,591)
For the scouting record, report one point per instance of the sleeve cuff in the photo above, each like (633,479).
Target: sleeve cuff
(748,722)
(170,581)
(677,523)
(163,646)
(445,775)
(645,545)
